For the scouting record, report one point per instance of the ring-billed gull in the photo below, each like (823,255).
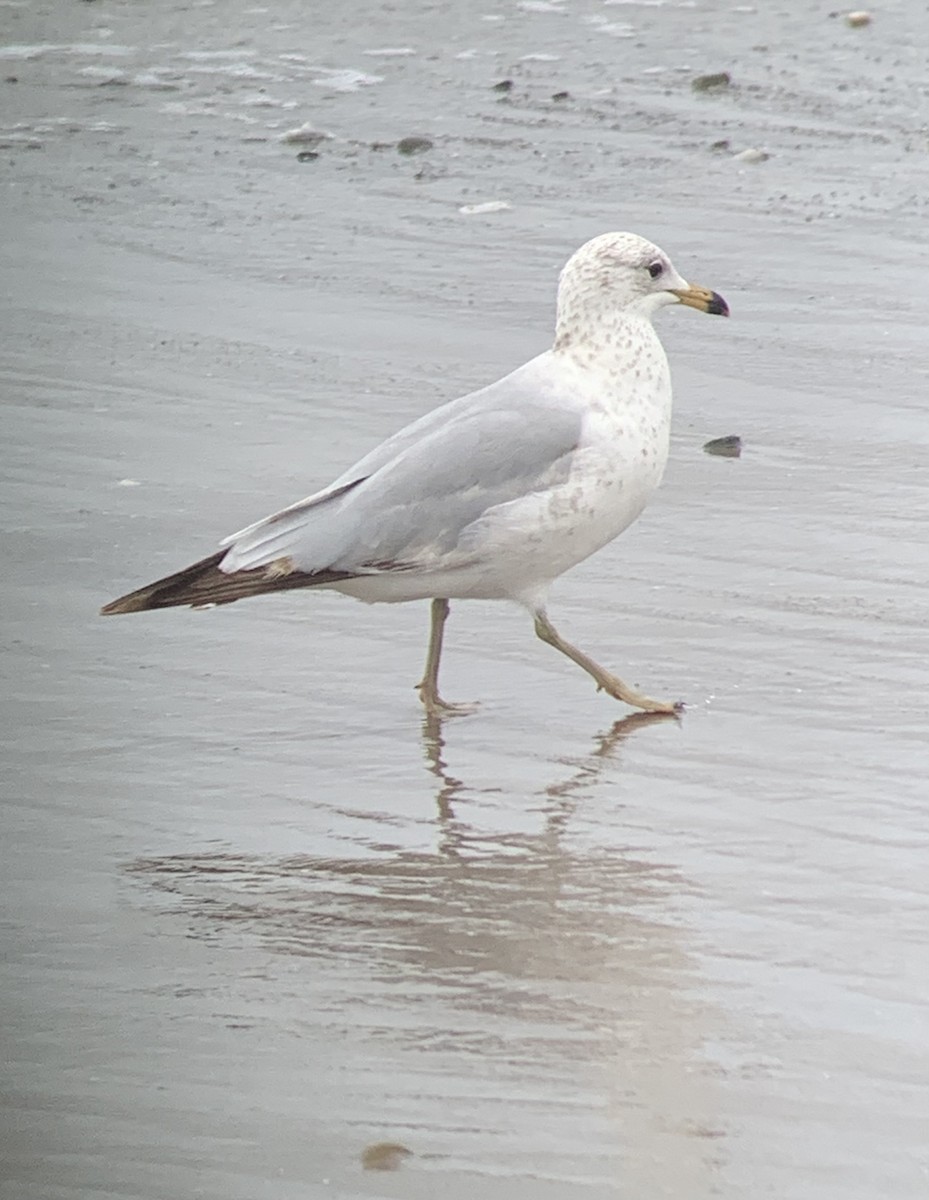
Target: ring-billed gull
(496,494)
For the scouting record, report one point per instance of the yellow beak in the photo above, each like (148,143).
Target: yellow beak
(703,299)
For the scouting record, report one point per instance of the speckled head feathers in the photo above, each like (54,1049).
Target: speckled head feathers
(618,276)
(623,269)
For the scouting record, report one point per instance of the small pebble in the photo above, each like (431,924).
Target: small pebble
(391,52)
(858,18)
(308,156)
(489,206)
(505,85)
(561,96)
(710,83)
(414,145)
(384,1156)
(304,135)
(729,446)
(751,155)
(721,145)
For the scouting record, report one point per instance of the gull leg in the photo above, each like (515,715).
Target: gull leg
(603,679)
(428,687)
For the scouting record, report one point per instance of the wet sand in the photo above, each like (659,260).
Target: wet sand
(260,915)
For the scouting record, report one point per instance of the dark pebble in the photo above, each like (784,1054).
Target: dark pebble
(709,83)
(561,96)
(729,446)
(414,145)
(505,85)
(308,156)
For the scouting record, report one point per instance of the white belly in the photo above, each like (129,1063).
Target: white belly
(515,551)
(534,540)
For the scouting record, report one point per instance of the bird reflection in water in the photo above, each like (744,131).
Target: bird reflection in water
(586,770)
(544,975)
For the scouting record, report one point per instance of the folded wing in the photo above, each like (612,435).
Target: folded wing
(408,504)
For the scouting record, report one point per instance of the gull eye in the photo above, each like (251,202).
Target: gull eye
(655,269)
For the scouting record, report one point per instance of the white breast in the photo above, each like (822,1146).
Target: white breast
(620,460)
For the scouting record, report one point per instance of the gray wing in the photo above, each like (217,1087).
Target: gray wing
(409,501)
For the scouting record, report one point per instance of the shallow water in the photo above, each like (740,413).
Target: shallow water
(261,916)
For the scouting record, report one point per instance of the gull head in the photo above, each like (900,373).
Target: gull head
(621,275)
